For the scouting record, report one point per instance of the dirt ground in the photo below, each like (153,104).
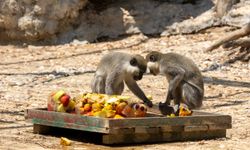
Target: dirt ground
(25,82)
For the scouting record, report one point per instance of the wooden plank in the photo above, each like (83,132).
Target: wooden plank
(41,129)
(219,126)
(70,126)
(162,137)
(155,130)
(177,121)
(195,128)
(168,128)
(154,123)
(72,121)
(121,130)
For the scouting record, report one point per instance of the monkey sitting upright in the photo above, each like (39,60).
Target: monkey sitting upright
(116,68)
(184,78)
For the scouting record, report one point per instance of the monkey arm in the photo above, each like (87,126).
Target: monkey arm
(133,86)
(176,75)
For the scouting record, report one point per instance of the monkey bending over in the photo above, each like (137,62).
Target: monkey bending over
(116,68)
(185,80)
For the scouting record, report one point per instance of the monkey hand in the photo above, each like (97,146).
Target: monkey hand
(166,109)
(148,103)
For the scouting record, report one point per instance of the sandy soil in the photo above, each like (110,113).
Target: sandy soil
(25,83)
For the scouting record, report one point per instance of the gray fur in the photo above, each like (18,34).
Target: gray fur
(114,69)
(185,79)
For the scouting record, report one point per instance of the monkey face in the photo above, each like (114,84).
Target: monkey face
(153,59)
(137,67)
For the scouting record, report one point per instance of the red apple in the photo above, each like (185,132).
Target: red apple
(65,100)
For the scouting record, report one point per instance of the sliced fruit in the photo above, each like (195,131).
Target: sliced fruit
(184,111)
(50,107)
(101,114)
(89,113)
(87,107)
(118,116)
(58,95)
(128,111)
(81,110)
(112,100)
(110,113)
(96,107)
(107,107)
(60,108)
(171,115)
(120,107)
(64,141)
(71,105)
(123,97)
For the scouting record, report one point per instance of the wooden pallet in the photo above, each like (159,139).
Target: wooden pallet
(153,128)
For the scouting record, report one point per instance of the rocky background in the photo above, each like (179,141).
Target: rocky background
(63,21)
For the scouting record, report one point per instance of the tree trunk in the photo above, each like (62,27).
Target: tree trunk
(223,6)
(232,36)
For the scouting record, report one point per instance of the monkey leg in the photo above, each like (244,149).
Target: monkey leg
(192,97)
(113,84)
(174,89)
(120,89)
(98,85)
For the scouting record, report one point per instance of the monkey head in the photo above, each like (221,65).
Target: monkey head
(153,62)
(137,67)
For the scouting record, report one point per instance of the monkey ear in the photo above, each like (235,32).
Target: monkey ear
(133,62)
(152,58)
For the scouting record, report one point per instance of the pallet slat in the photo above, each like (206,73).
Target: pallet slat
(153,128)
(163,137)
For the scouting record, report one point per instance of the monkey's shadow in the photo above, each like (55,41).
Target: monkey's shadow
(215,81)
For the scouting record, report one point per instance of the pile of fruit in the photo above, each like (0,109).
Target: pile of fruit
(99,105)
(61,102)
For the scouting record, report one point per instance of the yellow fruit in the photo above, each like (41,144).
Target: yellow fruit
(110,113)
(71,105)
(120,107)
(184,111)
(112,100)
(149,97)
(101,114)
(96,107)
(128,111)
(60,108)
(58,95)
(64,141)
(118,117)
(89,113)
(87,107)
(81,110)
(171,116)
(108,107)
(123,97)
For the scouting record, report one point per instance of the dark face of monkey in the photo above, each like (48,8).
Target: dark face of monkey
(153,59)
(139,66)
